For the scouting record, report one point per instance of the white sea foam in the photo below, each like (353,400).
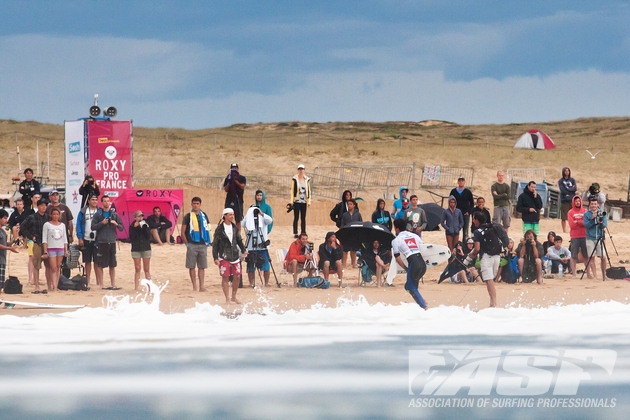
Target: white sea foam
(125,324)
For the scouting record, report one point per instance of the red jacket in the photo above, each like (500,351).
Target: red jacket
(576,220)
(295,252)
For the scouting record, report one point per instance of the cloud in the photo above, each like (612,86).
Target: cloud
(188,84)
(409,96)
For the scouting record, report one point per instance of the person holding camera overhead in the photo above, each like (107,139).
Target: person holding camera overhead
(87,189)
(301,198)
(234,186)
(139,236)
(595,221)
(105,223)
(87,237)
(256,223)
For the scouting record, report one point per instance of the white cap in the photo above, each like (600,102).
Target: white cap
(227,210)
(300,166)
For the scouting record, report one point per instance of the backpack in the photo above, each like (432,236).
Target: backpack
(313,283)
(12,286)
(514,271)
(77,282)
(492,243)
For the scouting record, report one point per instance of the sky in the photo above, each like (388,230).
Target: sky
(204,64)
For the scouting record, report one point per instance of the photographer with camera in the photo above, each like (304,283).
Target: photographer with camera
(87,237)
(256,223)
(234,186)
(139,236)
(299,257)
(105,223)
(88,189)
(530,253)
(595,221)
(594,192)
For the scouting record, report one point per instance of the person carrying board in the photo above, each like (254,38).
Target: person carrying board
(408,244)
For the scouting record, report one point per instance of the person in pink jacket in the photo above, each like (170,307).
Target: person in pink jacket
(578,235)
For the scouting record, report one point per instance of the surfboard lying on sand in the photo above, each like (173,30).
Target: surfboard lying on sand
(12,303)
(433,255)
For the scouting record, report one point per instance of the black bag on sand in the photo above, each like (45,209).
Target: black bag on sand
(76,283)
(12,286)
(616,273)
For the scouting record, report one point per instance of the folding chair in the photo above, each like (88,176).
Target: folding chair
(281,254)
(366,274)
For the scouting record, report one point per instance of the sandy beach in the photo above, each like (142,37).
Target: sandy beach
(167,264)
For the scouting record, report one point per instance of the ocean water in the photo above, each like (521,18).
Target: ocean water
(129,360)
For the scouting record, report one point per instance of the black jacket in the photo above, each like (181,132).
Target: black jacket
(139,237)
(222,247)
(526,201)
(465,200)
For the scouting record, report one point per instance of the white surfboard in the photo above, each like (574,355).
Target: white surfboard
(394,269)
(433,256)
(11,303)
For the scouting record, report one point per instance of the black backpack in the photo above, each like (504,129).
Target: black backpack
(492,242)
(77,282)
(12,286)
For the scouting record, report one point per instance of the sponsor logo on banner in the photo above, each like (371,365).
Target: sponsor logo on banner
(111,193)
(74,173)
(139,193)
(75,197)
(74,182)
(75,163)
(102,140)
(74,147)
(110,152)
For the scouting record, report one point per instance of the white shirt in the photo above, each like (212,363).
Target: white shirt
(406,243)
(87,226)
(229,232)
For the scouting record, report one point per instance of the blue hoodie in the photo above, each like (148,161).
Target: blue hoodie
(452,221)
(264,207)
(567,187)
(398,203)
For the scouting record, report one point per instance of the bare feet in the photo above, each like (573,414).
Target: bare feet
(235,300)
(202,289)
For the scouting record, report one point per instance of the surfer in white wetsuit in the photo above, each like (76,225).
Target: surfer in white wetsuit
(408,244)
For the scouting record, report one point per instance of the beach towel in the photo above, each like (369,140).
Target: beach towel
(197,232)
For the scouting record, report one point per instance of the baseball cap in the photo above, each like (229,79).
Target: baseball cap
(461,178)
(470,241)
(138,213)
(234,165)
(54,192)
(405,200)
(300,166)
(227,210)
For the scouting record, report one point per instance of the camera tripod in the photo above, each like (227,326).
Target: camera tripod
(254,237)
(599,243)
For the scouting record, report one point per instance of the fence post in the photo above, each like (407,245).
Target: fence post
(413,177)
